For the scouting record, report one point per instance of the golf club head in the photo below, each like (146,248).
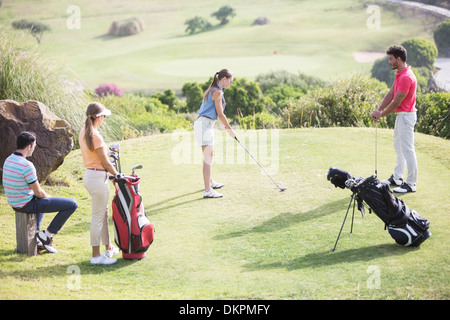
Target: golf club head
(115,147)
(282,189)
(138,166)
(113,155)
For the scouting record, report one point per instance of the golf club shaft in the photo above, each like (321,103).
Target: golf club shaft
(258,163)
(376,146)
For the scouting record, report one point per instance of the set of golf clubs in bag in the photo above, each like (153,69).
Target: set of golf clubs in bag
(406,226)
(133,232)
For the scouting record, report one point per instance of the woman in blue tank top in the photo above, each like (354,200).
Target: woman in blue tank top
(210,111)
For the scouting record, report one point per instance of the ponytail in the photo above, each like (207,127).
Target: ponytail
(92,110)
(224,73)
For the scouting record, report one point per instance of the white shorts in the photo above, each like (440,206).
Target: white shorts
(204,131)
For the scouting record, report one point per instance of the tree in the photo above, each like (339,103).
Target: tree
(421,53)
(245,98)
(168,98)
(197,24)
(194,96)
(382,71)
(442,37)
(36,28)
(223,13)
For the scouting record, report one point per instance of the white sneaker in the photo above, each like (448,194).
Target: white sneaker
(212,194)
(112,252)
(102,259)
(216,185)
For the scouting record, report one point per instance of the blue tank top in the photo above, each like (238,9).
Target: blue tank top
(208,108)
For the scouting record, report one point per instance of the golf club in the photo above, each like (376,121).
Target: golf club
(113,157)
(376,146)
(281,188)
(138,166)
(115,147)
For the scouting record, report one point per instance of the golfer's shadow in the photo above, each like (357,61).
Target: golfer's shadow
(154,208)
(327,258)
(286,219)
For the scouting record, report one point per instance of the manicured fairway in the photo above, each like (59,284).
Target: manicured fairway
(316,38)
(256,242)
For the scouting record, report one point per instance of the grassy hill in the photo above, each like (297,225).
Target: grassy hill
(256,242)
(313,37)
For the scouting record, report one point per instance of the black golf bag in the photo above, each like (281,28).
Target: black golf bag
(405,226)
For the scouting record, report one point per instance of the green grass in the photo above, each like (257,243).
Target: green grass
(256,242)
(316,38)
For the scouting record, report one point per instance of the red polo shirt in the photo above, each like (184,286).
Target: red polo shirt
(405,81)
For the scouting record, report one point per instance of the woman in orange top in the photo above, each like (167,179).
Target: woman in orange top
(94,152)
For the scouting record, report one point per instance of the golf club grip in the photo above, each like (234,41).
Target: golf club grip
(111,177)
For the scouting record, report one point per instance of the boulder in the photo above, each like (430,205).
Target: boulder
(261,21)
(54,136)
(126,27)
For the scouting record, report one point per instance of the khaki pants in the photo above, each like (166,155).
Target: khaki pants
(97,184)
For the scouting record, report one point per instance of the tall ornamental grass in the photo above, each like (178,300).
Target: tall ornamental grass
(27,75)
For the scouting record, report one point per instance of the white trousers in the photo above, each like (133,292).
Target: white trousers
(404,147)
(97,184)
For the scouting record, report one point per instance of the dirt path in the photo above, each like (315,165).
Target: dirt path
(439,10)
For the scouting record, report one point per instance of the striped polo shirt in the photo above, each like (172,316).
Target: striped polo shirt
(18,174)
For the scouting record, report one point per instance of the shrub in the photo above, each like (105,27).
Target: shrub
(144,115)
(433,114)
(442,37)
(421,53)
(281,86)
(345,103)
(262,120)
(300,81)
(193,93)
(169,98)
(107,89)
(245,98)
(382,71)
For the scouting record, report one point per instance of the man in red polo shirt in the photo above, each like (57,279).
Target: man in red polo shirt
(401,99)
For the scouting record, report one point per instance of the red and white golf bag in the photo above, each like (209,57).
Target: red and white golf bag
(133,232)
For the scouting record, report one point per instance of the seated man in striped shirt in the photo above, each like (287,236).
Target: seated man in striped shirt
(24,193)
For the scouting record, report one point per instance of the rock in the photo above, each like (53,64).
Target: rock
(126,27)
(261,21)
(54,136)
